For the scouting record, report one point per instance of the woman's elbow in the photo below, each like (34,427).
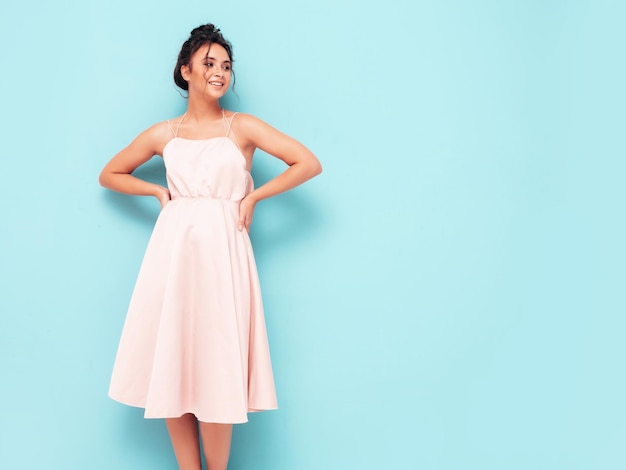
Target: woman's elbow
(106,178)
(316,168)
(102,179)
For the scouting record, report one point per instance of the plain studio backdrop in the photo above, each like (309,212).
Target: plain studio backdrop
(447,295)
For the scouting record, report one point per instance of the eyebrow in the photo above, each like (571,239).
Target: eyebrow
(213,58)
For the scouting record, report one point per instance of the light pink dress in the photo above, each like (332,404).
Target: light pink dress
(194,340)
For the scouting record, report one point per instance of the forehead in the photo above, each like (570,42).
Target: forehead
(212,50)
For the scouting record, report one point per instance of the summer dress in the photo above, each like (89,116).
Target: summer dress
(194,340)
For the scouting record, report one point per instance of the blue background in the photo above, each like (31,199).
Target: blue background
(448,294)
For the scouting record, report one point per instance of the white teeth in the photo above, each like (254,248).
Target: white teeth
(216,83)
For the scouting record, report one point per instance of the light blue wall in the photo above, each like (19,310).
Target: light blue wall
(448,295)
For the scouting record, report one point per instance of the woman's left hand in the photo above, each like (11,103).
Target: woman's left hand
(246,211)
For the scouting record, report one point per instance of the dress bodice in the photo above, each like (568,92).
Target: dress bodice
(208,168)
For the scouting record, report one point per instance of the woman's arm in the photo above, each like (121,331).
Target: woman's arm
(303,164)
(116,175)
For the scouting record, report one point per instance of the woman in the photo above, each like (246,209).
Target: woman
(194,347)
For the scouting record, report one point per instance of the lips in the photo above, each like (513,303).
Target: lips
(216,83)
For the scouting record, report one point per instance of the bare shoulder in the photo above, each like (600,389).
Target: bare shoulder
(253,133)
(157,136)
(243,121)
(251,127)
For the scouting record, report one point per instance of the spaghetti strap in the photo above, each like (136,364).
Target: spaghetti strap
(228,122)
(179,123)
(171,128)
(169,124)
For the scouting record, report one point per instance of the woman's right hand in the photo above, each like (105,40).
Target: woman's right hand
(163,195)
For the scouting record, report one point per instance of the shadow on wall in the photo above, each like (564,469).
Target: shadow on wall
(256,443)
(284,219)
(138,209)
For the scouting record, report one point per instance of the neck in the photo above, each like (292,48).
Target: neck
(201,109)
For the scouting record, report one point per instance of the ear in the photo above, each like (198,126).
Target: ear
(185,71)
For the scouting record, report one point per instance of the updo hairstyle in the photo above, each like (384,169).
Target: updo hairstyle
(200,36)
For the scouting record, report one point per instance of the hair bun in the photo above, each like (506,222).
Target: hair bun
(205,29)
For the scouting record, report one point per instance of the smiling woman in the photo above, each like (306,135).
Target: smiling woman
(196,42)
(194,346)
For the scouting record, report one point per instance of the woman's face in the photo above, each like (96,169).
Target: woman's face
(209,71)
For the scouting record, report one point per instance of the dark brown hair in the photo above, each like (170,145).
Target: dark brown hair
(200,36)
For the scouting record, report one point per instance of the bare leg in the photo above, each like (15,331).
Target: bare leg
(216,443)
(184,435)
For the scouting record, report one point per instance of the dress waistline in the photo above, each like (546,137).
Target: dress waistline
(205,198)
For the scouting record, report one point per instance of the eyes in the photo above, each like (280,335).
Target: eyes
(225,67)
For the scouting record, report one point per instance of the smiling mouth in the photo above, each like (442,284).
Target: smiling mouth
(216,83)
